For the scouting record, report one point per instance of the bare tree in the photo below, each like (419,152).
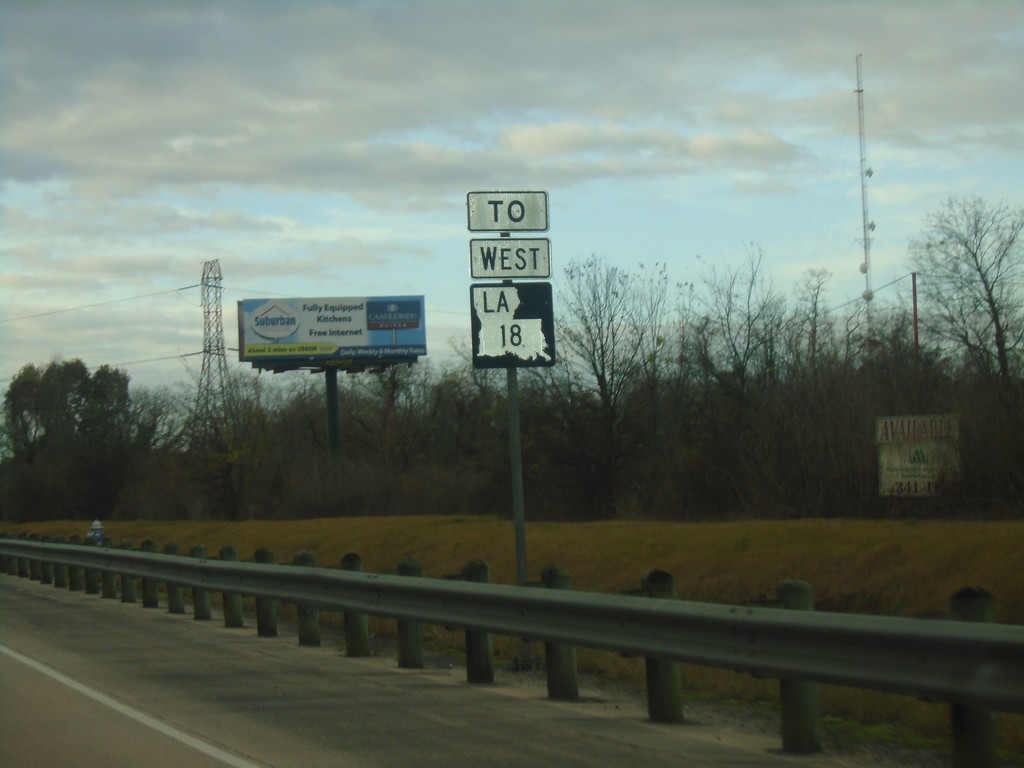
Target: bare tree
(971,263)
(811,334)
(735,343)
(614,325)
(612,341)
(738,330)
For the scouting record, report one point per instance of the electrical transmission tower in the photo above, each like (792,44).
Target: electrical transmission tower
(212,395)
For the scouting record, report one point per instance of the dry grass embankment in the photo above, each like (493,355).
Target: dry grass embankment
(878,567)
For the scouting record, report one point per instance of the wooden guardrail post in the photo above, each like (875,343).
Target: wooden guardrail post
(266,607)
(233,617)
(664,688)
(46,574)
(92,576)
(14,562)
(559,658)
(974,729)
(200,597)
(108,578)
(175,594)
(479,647)
(35,570)
(127,580)
(22,562)
(11,561)
(308,616)
(76,574)
(60,570)
(357,628)
(149,590)
(801,711)
(410,633)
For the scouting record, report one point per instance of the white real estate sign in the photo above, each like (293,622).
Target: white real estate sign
(917,455)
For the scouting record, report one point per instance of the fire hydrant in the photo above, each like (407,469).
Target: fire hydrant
(95,532)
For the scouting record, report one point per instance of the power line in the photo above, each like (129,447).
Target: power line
(99,304)
(156,359)
(880,288)
(254,292)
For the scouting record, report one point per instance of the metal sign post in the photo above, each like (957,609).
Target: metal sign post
(515,449)
(333,414)
(512,323)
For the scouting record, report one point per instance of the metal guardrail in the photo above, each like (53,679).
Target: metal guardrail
(981,665)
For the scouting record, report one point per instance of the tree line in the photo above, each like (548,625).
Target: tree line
(722,397)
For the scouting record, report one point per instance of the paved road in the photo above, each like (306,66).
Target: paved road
(91,682)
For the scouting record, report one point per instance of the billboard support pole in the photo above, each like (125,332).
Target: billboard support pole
(333,416)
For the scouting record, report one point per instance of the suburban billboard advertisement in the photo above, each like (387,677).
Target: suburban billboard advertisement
(293,333)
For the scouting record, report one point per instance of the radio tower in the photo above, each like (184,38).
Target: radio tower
(865,174)
(211,396)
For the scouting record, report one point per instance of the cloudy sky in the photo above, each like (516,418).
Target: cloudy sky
(326,149)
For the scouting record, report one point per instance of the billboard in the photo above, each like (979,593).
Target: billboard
(316,332)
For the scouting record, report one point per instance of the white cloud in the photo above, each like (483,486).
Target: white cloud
(331,144)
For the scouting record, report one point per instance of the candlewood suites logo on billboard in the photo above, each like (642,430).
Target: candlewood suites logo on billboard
(392,315)
(274,322)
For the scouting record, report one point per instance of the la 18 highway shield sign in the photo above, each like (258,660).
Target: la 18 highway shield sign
(512,325)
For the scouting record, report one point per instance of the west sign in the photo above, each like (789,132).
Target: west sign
(505,258)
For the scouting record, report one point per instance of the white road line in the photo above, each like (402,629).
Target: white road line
(200,746)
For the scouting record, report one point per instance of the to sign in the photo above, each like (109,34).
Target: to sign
(507,211)
(508,258)
(512,325)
